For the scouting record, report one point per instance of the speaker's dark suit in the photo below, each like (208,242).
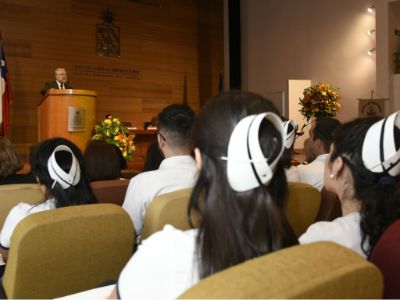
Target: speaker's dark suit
(53,85)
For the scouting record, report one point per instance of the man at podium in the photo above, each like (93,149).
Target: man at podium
(60,82)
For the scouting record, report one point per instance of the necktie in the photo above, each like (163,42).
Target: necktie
(62,86)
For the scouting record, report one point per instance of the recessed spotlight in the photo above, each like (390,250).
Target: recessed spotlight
(371,51)
(371,9)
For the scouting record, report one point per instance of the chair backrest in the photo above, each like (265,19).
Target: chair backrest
(316,270)
(12,194)
(385,255)
(302,206)
(330,207)
(67,250)
(170,208)
(110,191)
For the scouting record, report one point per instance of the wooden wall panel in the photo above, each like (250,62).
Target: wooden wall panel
(163,44)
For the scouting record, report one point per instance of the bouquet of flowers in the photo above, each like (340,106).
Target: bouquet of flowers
(112,131)
(320,100)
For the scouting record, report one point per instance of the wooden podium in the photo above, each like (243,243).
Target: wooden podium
(69,114)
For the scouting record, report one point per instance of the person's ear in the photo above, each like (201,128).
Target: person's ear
(337,166)
(161,141)
(197,157)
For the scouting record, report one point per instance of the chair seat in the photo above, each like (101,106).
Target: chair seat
(68,250)
(313,271)
(386,256)
(110,191)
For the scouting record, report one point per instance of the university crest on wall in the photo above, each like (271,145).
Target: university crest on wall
(107,36)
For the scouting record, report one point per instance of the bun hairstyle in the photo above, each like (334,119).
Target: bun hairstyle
(58,164)
(370,148)
(63,178)
(289,128)
(247,167)
(240,137)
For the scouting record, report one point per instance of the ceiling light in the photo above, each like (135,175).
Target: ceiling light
(371,51)
(371,9)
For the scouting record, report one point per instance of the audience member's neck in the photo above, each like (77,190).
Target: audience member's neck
(175,152)
(350,205)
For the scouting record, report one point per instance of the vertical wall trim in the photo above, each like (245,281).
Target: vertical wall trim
(234,45)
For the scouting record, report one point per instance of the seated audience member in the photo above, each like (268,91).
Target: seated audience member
(290,171)
(154,157)
(10,164)
(239,196)
(309,155)
(178,169)
(361,170)
(58,166)
(102,161)
(122,160)
(321,133)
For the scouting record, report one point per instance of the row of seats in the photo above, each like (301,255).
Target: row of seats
(71,249)
(304,205)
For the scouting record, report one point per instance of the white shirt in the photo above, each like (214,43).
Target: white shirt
(18,213)
(292,175)
(175,173)
(344,231)
(163,267)
(313,173)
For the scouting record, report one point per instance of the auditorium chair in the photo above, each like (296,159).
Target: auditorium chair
(110,191)
(302,206)
(68,250)
(170,208)
(13,194)
(311,271)
(385,255)
(301,209)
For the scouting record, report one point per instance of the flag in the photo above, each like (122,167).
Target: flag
(5,91)
(185,92)
(221,86)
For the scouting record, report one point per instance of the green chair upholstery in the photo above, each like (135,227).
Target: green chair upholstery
(170,208)
(13,194)
(302,206)
(312,271)
(68,250)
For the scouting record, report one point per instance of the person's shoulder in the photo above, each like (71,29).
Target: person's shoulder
(170,233)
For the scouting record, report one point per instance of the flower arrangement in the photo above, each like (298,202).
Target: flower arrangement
(112,131)
(320,100)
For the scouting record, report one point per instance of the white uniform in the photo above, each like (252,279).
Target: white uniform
(18,213)
(343,230)
(174,173)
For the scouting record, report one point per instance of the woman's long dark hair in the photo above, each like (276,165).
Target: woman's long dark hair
(380,203)
(236,226)
(74,195)
(102,161)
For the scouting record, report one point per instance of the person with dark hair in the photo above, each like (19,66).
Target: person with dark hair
(239,197)
(361,169)
(154,157)
(321,133)
(122,161)
(102,161)
(58,166)
(10,164)
(178,169)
